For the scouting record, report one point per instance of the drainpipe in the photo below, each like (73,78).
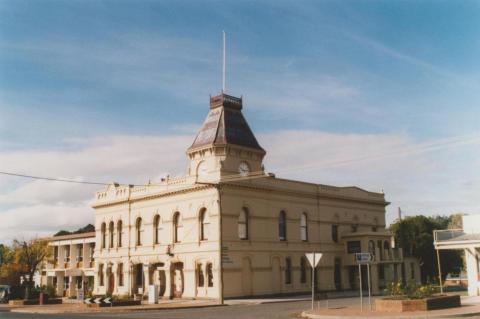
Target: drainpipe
(220,286)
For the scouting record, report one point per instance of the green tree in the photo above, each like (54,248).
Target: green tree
(30,255)
(415,235)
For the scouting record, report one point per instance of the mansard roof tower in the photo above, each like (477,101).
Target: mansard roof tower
(225,146)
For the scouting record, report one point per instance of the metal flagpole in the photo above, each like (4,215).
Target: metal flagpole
(313,278)
(224,63)
(361,288)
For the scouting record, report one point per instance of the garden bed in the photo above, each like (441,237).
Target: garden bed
(398,304)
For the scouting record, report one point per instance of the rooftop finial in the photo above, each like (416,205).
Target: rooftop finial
(224,89)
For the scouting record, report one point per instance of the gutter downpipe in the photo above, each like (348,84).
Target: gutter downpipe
(220,263)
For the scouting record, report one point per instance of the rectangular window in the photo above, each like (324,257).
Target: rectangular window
(335,233)
(79,252)
(67,254)
(66,282)
(381,272)
(210,275)
(303,270)
(288,271)
(354,247)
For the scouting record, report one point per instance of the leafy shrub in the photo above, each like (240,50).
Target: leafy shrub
(394,289)
(411,290)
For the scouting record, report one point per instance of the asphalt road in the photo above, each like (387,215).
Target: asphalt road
(280,310)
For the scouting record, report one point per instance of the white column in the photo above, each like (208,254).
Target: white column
(472,270)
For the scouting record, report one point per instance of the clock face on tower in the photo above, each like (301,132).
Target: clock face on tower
(202,169)
(243,169)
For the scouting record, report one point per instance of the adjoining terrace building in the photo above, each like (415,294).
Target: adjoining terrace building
(229,229)
(71,265)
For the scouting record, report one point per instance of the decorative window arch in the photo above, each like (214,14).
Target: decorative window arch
(103,230)
(111,234)
(138,231)
(156,229)
(119,233)
(176,227)
(304,227)
(203,222)
(243,224)
(282,226)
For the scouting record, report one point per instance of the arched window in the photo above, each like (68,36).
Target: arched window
(111,233)
(103,230)
(138,231)
(282,226)
(176,227)
(303,227)
(203,220)
(119,233)
(243,224)
(156,229)
(303,270)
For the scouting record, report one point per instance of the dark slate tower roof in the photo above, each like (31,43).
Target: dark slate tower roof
(225,124)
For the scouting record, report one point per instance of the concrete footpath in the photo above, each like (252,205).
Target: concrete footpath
(350,309)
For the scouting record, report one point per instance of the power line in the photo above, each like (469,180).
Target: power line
(53,179)
(447,143)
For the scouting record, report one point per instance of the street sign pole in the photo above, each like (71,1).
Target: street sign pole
(313,259)
(361,289)
(313,280)
(369,288)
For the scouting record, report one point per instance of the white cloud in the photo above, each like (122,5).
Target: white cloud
(428,177)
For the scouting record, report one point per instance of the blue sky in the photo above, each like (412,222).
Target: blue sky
(352,78)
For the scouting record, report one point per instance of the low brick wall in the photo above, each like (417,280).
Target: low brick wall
(117,303)
(30,302)
(404,305)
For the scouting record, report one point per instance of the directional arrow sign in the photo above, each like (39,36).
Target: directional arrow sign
(107,300)
(314,258)
(98,300)
(88,301)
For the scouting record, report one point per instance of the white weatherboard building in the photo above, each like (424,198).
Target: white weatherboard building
(468,240)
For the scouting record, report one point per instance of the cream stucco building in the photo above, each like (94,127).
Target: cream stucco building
(229,229)
(71,265)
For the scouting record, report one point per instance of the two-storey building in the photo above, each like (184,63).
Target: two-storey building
(71,265)
(228,228)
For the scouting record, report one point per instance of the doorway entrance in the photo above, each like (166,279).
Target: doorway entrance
(177,279)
